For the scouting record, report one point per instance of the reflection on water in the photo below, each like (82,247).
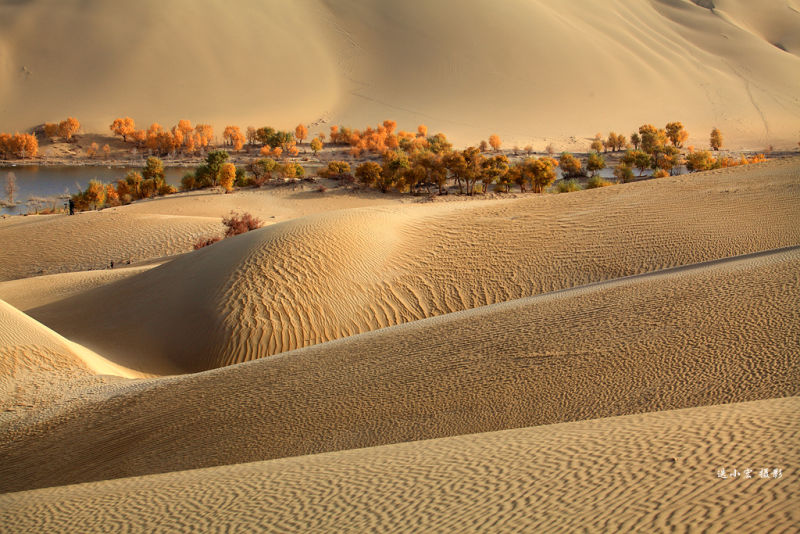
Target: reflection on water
(45,185)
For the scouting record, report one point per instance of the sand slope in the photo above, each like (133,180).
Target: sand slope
(714,333)
(47,244)
(531,70)
(333,275)
(548,478)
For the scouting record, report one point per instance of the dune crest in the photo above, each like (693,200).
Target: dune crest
(332,275)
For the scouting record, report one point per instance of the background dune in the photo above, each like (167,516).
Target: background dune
(336,274)
(535,479)
(707,334)
(528,70)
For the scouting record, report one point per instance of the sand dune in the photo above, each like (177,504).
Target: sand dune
(713,333)
(332,275)
(48,244)
(42,372)
(548,478)
(530,71)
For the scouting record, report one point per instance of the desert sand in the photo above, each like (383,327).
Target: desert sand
(377,326)
(533,72)
(334,274)
(548,478)
(589,361)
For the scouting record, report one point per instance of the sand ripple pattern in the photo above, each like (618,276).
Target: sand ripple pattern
(541,479)
(714,333)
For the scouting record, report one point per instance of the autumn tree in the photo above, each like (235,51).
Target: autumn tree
(455,164)
(623,172)
(422,130)
(123,127)
(493,169)
(368,173)
(92,150)
(597,144)
(542,172)
(68,127)
(570,165)
(95,193)
(635,140)
(676,134)
(701,160)
(106,150)
(153,170)
(251,135)
(595,163)
(716,139)
(301,133)
(227,174)
(394,164)
(494,141)
(483,146)
(233,136)
(390,126)
(316,145)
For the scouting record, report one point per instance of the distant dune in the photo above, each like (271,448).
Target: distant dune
(335,274)
(698,335)
(652,473)
(528,70)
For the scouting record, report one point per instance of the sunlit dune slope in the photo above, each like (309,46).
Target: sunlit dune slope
(529,70)
(547,478)
(39,368)
(48,244)
(333,275)
(713,333)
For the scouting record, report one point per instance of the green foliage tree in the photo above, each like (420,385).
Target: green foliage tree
(623,173)
(394,165)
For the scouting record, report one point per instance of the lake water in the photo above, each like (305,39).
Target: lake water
(52,182)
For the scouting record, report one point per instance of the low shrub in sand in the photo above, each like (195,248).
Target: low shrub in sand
(595,182)
(568,186)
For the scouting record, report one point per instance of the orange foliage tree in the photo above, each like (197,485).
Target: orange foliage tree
(68,127)
(300,133)
(494,141)
(123,127)
(422,130)
(233,136)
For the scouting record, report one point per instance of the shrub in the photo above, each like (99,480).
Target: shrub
(188,182)
(596,181)
(206,241)
(660,173)
(237,223)
(570,165)
(166,189)
(568,186)
(336,170)
(623,173)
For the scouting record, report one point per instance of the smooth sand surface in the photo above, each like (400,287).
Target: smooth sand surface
(712,333)
(532,71)
(653,472)
(336,274)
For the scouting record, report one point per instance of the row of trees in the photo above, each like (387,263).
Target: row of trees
(18,145)
(136,185)
(66,128)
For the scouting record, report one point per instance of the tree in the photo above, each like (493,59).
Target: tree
(68,127)
(11,186)
(316,145)
(95,193)
(123,127)
(92,150)
(106,150)
(214,162)
(394,164)
(494,141)
(368,173)
(623,173)
(422,130)
(702,160)
(262,170)
(493,169)
(154,170)
(716,139)
(227,175)
(300,133)
(597,144)
(234,137)
(570,165)
(635,140)
(676,134)
(543,172)
(134,182)
(642,160)
(595,163)
(455,164)
(251,135)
